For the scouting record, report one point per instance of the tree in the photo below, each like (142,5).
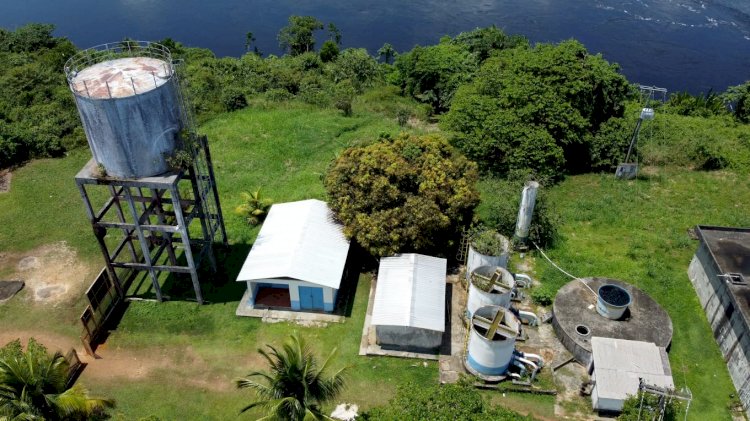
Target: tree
(439,403)
(33,386)
(297,37)
(249,40)
(295,387)
(536,108)
(334,34)
(329,51)
(482,42)
(387,53)
(411,193)
(356,65)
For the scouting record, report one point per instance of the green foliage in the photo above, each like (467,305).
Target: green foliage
(738,98)
(357,66)
(411,193)
(343,97)
(254,207)
(296,386)
(488,242)
(536,108)
(634,409)
(703,105)
(329,51)
(233,99)
(484,42)
(499,210)
(38,117)
(33,387)
(446,402)
(387,53)
(543,295)
(297,37)
(433,74)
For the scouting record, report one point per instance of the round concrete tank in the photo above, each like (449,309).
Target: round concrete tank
(612,301)
(475,259)
(128,100)
(490,285)
(492,341)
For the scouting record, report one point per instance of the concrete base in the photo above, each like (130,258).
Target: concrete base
(274,316)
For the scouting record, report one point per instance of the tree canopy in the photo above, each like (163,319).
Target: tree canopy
(411,193)
(298,37)
(33,386)
(536,108)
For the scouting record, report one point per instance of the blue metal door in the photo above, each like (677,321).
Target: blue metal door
(311,298)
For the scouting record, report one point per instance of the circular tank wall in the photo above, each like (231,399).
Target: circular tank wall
(491,355)
(498,296)
(475,259)
(130,110)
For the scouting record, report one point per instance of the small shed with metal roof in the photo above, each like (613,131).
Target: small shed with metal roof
(409,308)
(618,365)
(297,260)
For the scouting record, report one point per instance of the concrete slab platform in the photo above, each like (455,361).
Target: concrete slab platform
(274,316)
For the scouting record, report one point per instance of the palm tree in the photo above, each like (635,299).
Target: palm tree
(33,386)
(295,387)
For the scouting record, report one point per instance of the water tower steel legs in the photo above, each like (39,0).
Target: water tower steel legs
(153,225)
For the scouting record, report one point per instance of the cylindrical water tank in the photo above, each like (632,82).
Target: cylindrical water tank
(128,101)
(475,259)
(492,340)
(489,285)
(612,301)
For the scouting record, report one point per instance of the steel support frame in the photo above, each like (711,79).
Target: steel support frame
(136,208)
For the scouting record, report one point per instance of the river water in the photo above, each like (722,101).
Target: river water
(682,45)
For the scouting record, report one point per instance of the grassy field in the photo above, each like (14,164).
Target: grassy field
(634,231)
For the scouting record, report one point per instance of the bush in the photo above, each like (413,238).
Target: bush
(488,242)
(278,95)
(408,194)
(233,99)
(357,66)
(499,210)
(543,295)
(329,51)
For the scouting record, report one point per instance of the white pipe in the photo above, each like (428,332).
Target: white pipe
(515,376)
(523,280)
(529,363)
(529,317)
(534,357)
(519,365)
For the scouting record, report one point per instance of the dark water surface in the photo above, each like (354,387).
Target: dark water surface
(678,44)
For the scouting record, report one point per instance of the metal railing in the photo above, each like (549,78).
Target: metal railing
(112,51)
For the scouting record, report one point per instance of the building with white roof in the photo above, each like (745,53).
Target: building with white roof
(409,307)
(617,366)
(298,259)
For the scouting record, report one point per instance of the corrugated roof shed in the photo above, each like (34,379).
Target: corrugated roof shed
(619,363)
(299,240)
(411,292)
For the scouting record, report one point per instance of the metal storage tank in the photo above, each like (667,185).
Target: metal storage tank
(128,99)
(489,285)
(475,259)
(492,340)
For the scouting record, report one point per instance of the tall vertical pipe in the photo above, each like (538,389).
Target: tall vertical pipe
(525,212)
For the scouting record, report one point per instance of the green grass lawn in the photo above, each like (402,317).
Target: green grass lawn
(635,231)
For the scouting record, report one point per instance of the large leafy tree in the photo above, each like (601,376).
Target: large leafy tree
(295,386)
(411,193)
(33,387)
(536,108)
(297,37)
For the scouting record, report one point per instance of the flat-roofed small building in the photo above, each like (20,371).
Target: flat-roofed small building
(409,308)
(617,365)
(297,261)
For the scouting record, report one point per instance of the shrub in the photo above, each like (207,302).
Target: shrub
(357,66)
(408,194)
(329,51)
(488,242)
(278,95)
(233,99)
(543,295)
(343,96)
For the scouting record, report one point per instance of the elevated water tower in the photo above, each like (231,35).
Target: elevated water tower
(160,211)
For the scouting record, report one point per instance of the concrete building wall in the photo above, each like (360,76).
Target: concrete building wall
(408,338)
(728,326)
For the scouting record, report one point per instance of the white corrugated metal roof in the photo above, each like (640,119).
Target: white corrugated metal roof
(411,292)
(298,240)
(618,363)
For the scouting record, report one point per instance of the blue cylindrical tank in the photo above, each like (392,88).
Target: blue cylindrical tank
(499,293)
(129,105)
(491,353)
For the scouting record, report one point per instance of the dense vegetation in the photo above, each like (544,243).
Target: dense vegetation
(408,194)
